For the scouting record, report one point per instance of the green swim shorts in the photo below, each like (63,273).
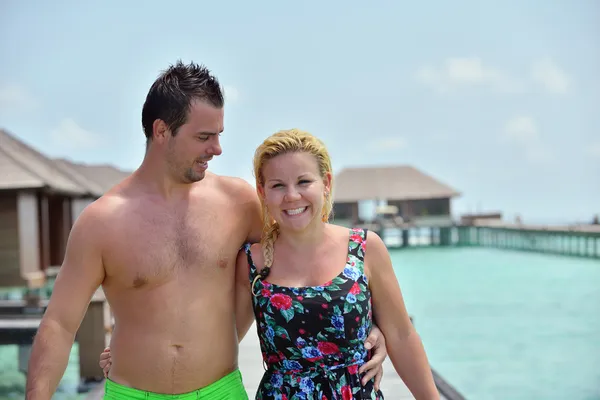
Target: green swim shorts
(230,387)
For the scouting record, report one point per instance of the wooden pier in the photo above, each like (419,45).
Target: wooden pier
(580,240)
(577,240)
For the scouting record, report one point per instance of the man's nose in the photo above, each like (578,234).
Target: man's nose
(215,149)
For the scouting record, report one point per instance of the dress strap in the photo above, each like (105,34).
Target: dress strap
(357,246)
(251,267)
(253,273)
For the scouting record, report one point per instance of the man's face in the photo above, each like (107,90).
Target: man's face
(196,142)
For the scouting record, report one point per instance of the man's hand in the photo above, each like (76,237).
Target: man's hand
(374,367)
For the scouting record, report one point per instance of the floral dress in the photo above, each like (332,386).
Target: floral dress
(312,338)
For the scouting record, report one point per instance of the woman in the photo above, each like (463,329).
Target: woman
(316,287)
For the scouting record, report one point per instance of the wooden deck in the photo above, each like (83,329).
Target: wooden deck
(250,362)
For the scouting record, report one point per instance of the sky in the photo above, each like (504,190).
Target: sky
(499,100)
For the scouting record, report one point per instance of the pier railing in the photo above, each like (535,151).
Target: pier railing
(580,240)
(446,390)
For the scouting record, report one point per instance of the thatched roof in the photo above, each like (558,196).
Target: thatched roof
(23,167)
(388,183)
(98,179)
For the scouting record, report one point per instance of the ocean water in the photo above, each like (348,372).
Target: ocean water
(507,325)
(496,324)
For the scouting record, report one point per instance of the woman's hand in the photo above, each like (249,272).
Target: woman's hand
(105,361)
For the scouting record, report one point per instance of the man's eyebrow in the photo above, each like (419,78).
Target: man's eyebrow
(208,133)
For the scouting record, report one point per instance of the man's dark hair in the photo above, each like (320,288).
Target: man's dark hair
(172,93)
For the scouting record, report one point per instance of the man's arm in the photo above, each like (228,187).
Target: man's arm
(244,315)
(80,275)
(252,211)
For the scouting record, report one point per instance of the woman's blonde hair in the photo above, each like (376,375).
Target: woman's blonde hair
(282,142)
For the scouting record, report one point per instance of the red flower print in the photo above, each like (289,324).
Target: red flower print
(281,301)
(346,393)
(300,298)
(265,293)
(328,283)
(356,238)
(355,289)
(284,397)
(324,305)
(301,331)
(273,358)
(353,369)
(328,348)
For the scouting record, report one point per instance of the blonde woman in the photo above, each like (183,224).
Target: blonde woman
(316,287)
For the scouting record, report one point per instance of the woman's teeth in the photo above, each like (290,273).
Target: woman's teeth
(295,211)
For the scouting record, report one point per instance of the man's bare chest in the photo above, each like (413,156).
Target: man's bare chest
(155,248)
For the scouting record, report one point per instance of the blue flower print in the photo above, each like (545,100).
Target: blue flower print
(351,273)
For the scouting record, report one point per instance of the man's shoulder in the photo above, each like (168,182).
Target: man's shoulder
(103,209)
(234,186)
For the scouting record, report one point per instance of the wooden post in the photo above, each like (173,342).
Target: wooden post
(29,239)
(405,237)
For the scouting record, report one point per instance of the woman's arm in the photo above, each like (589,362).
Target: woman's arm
(403,344)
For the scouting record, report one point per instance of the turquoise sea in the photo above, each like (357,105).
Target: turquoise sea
(496,324)
(506,325)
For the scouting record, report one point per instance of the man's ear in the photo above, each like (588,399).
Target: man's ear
(160,131)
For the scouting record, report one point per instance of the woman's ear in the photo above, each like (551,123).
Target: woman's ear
(327,182)
(261,191)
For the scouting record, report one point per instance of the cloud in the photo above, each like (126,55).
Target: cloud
(461,72)
(16,98)
(70,134)
(465,71)
(232,94)
(389,143)
(523,132)
(550,76)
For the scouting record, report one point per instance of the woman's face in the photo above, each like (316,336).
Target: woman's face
(294,190)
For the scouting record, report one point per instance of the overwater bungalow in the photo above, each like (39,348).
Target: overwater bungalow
(416,197)
(40,198)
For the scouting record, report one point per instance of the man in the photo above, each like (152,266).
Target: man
(163,245)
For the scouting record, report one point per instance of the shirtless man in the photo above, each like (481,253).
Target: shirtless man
(163,245)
